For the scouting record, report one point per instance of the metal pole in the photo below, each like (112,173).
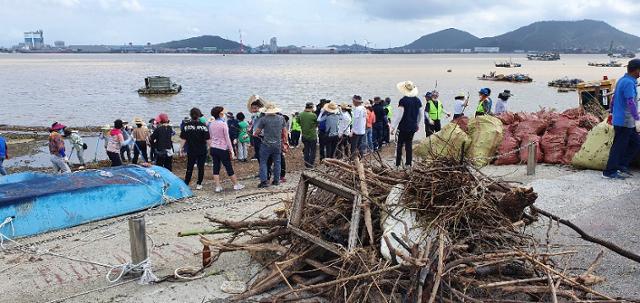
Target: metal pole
(138,240)
(531,159)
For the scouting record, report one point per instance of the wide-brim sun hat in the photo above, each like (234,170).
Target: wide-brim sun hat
(461,95)
(270,108)
(407,88)
(106,127)
(345,106)
(331,107)
(57,126)
(138,120)
(252,100)
(507,92)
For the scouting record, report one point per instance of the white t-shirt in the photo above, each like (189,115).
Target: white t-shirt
(458,107)
(359,126)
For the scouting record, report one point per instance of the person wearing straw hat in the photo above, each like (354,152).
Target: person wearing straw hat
(406,121)
(330,115)
(344,131)
(56,148)
(274,133)
(140,136)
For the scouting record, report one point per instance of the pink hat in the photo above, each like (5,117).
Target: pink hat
(57,126)
(162,118)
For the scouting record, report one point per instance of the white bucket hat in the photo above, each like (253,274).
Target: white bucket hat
(408,89)
(270,109)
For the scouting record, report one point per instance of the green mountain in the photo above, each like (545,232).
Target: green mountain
(538,36)
(445,39)
(202,41)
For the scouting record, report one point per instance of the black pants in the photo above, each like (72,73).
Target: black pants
(386,133)
(431,129)
(163,160)
(378,135)
(358,145)
(342,149)
(405,139)
(140,147)
(256,142)
(220,158)
(295,138)
(283,167)
(322,143)
(332,145)
(309,152)
(115,159)
(125,150)
(625,147)
(197,160)
(456,116)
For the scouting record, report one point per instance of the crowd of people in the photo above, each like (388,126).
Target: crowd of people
(325,130)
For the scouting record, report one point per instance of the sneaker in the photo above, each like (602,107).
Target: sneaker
(81,167)
(283,180)
(625,173)
(275,183)
(218,189)
(614,176)
(263,185)
(199,187)
(238,186)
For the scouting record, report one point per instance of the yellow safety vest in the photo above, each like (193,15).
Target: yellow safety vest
(389,111)
(435,111)
(480,108)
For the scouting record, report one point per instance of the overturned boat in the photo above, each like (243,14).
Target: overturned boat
(34,203)
(159,86)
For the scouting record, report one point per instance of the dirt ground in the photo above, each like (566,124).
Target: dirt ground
(65,267)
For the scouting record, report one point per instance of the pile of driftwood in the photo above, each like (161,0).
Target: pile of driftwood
(461,239)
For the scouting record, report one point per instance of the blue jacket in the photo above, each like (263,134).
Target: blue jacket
(625,111)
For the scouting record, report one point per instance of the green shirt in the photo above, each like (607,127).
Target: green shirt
(308,123)
(243,136)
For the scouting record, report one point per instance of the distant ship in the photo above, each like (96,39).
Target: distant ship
(546,56)
(621,55)
(508,64)
(517,78)
(159,85)
(611,63)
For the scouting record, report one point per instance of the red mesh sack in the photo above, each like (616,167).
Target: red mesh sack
(525,150)
(507,118)
(588,121)
(463,122)
(505,150)
(575,138)
(573,113)
(553,147)
(534,126)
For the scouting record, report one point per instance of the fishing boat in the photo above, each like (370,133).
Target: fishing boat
(546,56)
(507,64)
(517,78)
(611,63)
(565,83)
(622,54)
(159,85)
(32,203)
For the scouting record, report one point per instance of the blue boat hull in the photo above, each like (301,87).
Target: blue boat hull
(40,202)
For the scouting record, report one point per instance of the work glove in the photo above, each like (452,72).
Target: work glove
(638,126)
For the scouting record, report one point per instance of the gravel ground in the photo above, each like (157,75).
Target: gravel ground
(605,208)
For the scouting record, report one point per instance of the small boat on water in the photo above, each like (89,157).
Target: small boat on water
(38,202)
(508,64)
(565,83)
(159,85)
(611,63)
(546,56)
(517,78)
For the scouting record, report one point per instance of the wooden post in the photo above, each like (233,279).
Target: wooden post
(138,240)
(531,159)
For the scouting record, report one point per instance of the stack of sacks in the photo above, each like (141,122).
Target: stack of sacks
(447,143)
(509,142)
(528,130)
(554,140)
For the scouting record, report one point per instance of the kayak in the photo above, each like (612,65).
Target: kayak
(32,203)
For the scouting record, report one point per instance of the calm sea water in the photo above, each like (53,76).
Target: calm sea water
(83,89)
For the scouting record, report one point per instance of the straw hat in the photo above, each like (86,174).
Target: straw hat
(138,120)
(253,99)
(270,109)
(330,107)
(407,88)
(345,106)
(106,127)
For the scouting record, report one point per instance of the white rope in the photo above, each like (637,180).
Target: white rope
(126,268)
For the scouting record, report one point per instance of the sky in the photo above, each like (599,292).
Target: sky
(383,23)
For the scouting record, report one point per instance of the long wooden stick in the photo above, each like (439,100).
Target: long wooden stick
(436,284)
(615,248)
(366,205)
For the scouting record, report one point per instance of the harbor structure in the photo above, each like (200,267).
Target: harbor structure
(34,40)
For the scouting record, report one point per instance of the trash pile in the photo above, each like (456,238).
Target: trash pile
(505,138)
(369,233)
